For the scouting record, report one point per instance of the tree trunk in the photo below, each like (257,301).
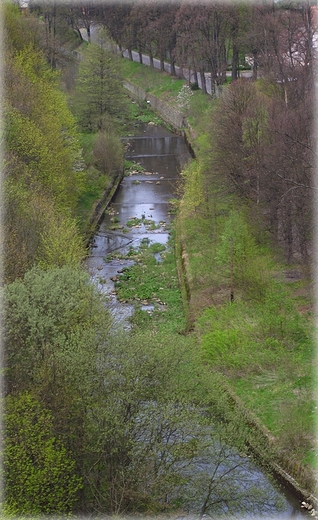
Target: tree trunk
(151,59)
(203,81)
(162,62)
(235,62)
(172,67)
(254,66)
(308,18)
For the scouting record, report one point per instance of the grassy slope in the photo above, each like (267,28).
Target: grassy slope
(262,342)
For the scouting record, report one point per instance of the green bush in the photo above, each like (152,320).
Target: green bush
(39,474)
(108,153)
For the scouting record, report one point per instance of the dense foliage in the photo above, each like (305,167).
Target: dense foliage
(39,472)
(43,172)
(264,148)
(54,321)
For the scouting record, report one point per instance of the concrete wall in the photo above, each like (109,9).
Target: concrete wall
(168,113)
(100,207)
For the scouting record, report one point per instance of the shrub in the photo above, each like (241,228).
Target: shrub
(108,153)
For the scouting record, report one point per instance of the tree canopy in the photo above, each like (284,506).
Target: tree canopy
(100,96)
(43,176)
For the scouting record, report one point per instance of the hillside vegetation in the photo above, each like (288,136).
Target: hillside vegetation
(101,421)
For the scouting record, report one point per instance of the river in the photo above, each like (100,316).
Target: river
(143,198)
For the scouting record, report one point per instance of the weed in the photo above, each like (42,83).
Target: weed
(133,222)
(156,248)
(131,252)
(155,283)
(132,167)
(149,224)
(148,116)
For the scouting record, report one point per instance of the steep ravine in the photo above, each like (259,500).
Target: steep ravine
(143,195)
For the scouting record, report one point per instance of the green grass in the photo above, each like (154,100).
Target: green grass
(200,110)
(260,342)
(94,190)
(152,80)
(87,140)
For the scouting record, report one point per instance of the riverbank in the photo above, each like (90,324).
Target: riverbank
(100,206)
(145,276)
(264,395)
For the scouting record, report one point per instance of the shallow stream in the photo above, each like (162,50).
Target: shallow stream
(143,198)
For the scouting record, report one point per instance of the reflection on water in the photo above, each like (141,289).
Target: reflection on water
(142,196)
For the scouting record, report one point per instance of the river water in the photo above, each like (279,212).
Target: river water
(142,197)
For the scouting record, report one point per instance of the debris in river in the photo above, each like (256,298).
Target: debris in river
(306,505)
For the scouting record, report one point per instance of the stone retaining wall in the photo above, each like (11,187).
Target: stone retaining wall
(169,114)
(99,209)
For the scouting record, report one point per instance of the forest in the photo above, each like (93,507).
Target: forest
(97,421)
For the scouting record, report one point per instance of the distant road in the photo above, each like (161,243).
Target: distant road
(167,66)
